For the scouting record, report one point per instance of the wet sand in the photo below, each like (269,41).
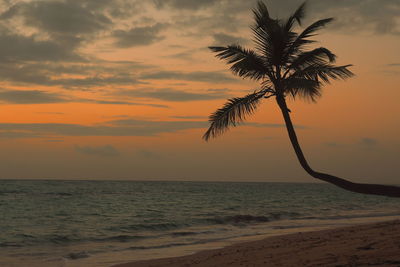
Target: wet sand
(376,244)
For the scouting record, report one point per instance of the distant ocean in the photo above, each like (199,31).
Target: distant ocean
(100,223)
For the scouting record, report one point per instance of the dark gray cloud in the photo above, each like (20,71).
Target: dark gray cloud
(43,97)
(103,151)
(368,141)
(334,144)
(67,21)
(116,102)
(148,154)
(112,128)
(97,73)
(94,81)
(392,69)
(139,35)
(16,47)
(352,16)
(169,94)
(227,39)
(199,76)
(186,54)
(54,113)
(365,141)
(123,127)
(377,16)
(189,117)
(273,125)
(30,97)
(10,134)
(184,4)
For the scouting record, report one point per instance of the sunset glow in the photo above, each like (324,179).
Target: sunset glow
(122,89)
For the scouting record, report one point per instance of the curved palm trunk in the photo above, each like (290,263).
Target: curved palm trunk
(373,189)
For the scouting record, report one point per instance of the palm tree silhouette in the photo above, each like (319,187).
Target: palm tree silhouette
(284,68)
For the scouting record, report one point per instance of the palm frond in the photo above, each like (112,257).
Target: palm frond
(261,14)
(323,72)
(319,55)
(233,112)
(310,30)
(266,32)
(298,15)
(302,38)
(245,62)
(264,44)
(309,89)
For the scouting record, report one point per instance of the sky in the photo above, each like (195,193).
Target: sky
(122,89)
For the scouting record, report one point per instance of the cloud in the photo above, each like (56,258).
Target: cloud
(273,125)
(116,102)
(188,117)
(184,4)
(11,134)
(368,141)
(68,21)
(111,128)
(334,144)
(103,151)
(43,97)
(365,141)
(98,80)
(199,76)
(30,97)
(138,36)
(123,127)
(16,47)
(148,154)
(169,94)
(80,75)
(222,39)
(373,16)
(377,16)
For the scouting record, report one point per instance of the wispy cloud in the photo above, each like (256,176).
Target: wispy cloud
(30,97)
(123,127)
(139,36)
(148,154)
(169,94)
(43,97)
(199,76)
(368,141)
(103,151)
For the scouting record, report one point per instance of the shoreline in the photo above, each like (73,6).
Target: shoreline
(364,244)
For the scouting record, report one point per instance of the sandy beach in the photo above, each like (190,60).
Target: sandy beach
(376,244)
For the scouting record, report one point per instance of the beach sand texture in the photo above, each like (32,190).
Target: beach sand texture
(375,244)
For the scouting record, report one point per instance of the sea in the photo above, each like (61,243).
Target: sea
(102,223)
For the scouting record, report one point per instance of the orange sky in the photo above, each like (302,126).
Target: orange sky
(122,89)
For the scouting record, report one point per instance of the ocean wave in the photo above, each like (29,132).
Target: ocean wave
(10,244)
(64,194)
(154,226)
(77,255)
(238,219)
(351,216)
(120,238)
(189,233)
(160,246)
(61,239)
(184,233)
(250,219)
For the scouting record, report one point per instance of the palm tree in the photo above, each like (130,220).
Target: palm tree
(284,68)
